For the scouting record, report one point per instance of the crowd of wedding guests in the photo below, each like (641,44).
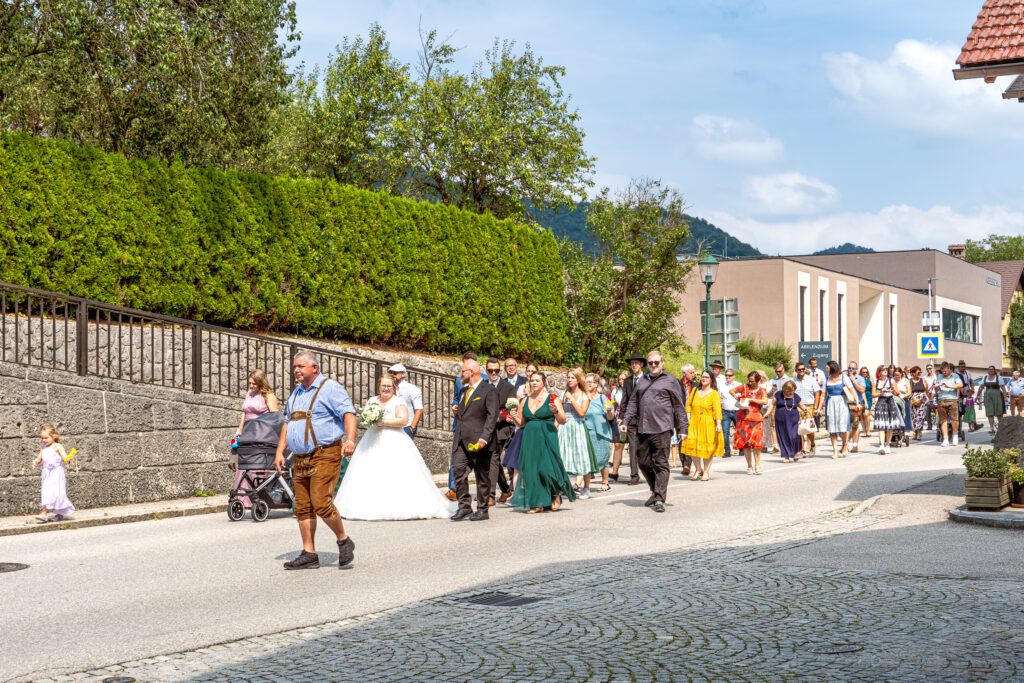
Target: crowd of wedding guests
(663,421)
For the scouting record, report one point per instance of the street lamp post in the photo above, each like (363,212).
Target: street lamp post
(708,271)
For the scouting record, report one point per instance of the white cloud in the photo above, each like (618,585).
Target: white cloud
(732,141)
(914,89)
(893,227)
(790,193)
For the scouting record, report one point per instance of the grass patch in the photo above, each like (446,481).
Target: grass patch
(673,361)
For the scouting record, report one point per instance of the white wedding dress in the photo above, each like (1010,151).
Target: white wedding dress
(387,478)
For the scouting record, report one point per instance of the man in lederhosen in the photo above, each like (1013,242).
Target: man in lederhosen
(320,430)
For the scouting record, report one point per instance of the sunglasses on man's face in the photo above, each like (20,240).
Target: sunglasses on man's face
(493,371)
(729,374)
(654,362)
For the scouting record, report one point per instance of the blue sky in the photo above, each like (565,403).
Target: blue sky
(792,125)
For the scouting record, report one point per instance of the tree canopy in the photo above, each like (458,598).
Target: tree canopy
(1015,333)
(996,248)
(624,299)
(188,80)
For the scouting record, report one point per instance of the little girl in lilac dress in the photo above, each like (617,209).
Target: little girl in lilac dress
(54,493)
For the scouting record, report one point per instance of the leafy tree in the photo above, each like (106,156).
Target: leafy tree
(193,80)
(342,124)
(996,248)
(624,299)
(1015,333)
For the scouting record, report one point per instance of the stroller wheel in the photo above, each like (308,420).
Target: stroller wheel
(236,510)
(260,511)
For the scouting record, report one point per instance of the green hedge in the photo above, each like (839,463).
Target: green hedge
(250,251)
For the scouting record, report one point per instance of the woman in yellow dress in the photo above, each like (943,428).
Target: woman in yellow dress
(704,439)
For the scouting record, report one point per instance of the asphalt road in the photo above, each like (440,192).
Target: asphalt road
(102,595)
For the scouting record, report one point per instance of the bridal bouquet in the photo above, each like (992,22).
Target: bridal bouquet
(371,414)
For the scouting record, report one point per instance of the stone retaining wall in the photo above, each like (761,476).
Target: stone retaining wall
(135,442)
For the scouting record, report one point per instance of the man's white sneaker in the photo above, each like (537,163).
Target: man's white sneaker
(956,439)
(944,442)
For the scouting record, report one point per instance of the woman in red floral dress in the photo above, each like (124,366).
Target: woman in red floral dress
(749,437)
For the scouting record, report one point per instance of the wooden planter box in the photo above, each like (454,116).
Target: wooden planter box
(986,493)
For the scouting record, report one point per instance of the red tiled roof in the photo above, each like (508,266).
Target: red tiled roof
(1010,273)
(997,35)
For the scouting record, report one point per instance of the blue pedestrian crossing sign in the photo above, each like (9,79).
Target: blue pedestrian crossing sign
(929,345)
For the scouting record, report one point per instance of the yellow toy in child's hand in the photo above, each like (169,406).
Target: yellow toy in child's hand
(67,458)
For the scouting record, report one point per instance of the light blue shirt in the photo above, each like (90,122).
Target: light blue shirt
(328,416)
(1016,386)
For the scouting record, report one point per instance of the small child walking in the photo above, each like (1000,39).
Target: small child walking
(54,477)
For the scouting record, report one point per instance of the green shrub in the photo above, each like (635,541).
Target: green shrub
(990,462)
(767,352)
(250,251)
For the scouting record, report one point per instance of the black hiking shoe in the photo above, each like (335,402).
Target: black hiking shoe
(304,561)
(346,552)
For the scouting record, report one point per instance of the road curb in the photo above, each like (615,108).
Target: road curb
(104,516)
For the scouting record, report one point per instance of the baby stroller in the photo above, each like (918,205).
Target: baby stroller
(261,487)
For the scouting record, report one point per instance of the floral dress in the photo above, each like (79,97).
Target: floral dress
(750,422)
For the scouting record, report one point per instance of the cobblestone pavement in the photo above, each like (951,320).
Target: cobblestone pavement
(709,612)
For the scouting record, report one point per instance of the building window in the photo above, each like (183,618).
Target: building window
(1004,344)
(957,326)
(839,328)
(821,314)
(892,334)
(803,313)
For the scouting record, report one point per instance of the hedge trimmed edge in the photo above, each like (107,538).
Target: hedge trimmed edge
(256,252)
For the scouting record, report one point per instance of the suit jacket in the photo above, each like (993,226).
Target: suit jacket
(520,380)
(504,429)
(478,419)
(627,395)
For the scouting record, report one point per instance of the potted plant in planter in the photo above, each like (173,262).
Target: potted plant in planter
(1017,479)
(987,486)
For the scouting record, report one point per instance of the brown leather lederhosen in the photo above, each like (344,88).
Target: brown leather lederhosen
(303,462)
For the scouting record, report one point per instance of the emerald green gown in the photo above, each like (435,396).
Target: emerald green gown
(541,473)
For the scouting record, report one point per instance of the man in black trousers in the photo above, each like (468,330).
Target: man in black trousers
(657,407)
(472,441)
(636,364)
(503,431)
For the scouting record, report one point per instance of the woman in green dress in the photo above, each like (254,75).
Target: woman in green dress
(542,477)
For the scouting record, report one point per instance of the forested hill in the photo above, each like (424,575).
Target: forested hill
(573,225)
(845,248)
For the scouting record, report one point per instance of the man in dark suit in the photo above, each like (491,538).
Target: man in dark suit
(512,375)
(636,364)
(473,440)
(503,431)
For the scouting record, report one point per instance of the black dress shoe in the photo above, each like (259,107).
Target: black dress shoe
(478,516)
(304,561)
(461,515)
(613,477)
(634,481)
(659,507)
(346,552)
(651,501)
(727,455)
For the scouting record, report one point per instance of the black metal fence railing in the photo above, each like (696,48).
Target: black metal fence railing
(58,332)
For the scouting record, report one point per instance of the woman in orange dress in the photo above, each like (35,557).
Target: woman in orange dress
(704,438)
(750,422)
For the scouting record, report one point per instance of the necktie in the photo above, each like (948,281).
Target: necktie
(469,390)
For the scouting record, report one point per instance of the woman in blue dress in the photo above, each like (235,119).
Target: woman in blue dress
(599,418)
(838,391)
(573,438)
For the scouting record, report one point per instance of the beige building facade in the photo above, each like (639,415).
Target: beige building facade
(869,306)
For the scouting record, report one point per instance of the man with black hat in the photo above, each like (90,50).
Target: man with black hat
(636,364)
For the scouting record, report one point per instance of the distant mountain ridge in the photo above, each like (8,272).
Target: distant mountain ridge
(704,236)
(845,248)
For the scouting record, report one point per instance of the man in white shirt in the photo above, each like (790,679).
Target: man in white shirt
(809,391)
(413,398)
(814,371)
(729,405)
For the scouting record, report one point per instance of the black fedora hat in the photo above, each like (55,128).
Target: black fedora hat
(637,356)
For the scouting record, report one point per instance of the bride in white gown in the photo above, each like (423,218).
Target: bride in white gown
(386,477)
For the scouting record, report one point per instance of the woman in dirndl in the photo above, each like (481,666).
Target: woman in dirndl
(887,416)
(838,391)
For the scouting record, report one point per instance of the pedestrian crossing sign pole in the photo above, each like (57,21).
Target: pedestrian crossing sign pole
(929,345)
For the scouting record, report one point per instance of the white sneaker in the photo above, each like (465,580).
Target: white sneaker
(853,448)
(944,442)
(584,494)
(956,439)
